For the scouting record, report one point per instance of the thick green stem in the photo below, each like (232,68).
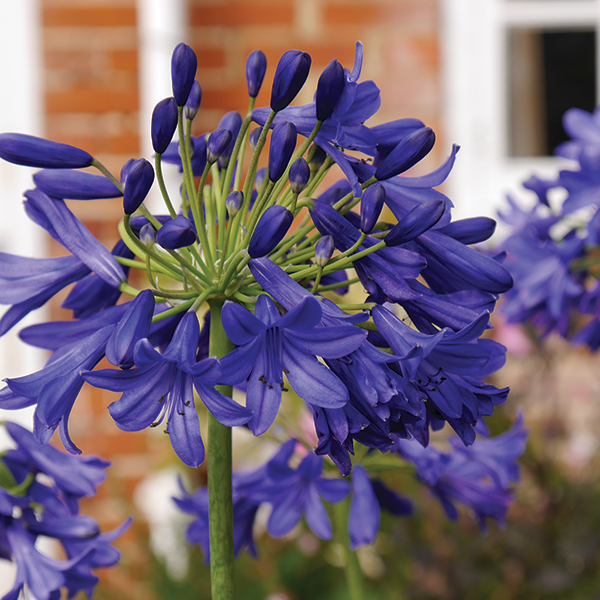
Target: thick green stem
(219,477)
(352,567)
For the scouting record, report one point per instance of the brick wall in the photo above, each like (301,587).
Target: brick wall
(91,101)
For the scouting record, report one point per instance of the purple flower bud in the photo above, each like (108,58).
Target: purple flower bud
(283,144)
(290,75)
(232,121)
(370,207)
(31,151)
(470,231)
(256,67)
(406,153)
(260,177)
(148,235)
(125,169)
(316,157)
(75,185)
(254,135)
(193,102)
(234,202)
(324,250)
(299,175)
(329,89)
(183,70)
(421,218)
(270,230)
(138,184)
(176,233)
(218,142)
(164,124)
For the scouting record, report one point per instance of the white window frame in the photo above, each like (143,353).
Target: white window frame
(474,72)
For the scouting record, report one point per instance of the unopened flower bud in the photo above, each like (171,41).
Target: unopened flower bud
(164,124)
(270,230)
(371,206)
(256,67)
(218,142)
(421,218)
(470,231)
(254,135)
(324,250)
(75,185)
(176,233)
(290,75)
(329,89)
(125,169)
(406,154)
(183,70)
(232,121)
(316,157)
(259,179)
(138,184)
(283,144)
(31,151)
(234,202)
(193,102)
(299,175)
(148,235)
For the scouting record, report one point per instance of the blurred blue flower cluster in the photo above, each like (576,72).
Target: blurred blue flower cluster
(553,246)
(40,489)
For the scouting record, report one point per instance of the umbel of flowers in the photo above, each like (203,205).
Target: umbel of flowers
(553,247)
(272,258)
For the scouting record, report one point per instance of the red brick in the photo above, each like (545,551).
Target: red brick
(91,100)
(210,58)
(345,13)
(124,60)
(236,14)
(92,16)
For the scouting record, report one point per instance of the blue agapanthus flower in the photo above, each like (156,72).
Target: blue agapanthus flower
(552,246)
(40,488)
(313,304)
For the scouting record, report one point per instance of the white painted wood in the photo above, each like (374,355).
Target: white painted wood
(161,26)
(474,72)
(20,111)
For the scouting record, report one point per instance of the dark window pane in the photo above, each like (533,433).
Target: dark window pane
(550,71)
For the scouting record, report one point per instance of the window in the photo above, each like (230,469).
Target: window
(511,68)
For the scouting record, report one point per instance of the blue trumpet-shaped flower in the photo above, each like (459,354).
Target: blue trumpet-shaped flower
(161,386)
(271,344)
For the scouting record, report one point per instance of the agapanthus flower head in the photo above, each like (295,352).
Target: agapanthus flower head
(183,70)
(256,67)
(266,256)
